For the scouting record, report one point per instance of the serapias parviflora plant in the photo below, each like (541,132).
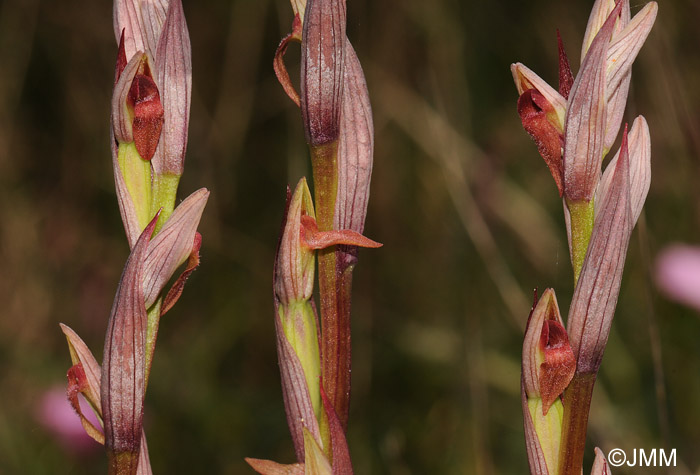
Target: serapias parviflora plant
(149,119)
(314,358)
(574,128)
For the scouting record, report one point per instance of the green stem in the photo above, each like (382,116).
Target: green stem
(164,194)
(582,218)
(577,403)
(325,431)
(136,173)
(152,335)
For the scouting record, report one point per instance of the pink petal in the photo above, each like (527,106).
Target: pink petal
(58,417)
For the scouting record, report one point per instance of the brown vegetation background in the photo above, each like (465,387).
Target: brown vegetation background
(468,214)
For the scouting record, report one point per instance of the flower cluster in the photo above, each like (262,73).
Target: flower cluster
(150,115)
(574,128)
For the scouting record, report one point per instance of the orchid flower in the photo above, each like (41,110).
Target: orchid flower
(298,349)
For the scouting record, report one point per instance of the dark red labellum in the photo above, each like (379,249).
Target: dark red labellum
(533,108)
(148,113)
(559,363)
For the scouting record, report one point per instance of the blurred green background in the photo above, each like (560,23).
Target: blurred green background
(467,211)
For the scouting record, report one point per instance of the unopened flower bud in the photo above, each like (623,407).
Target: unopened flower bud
(355,148)
(322,70)
(627,40)
(294,274)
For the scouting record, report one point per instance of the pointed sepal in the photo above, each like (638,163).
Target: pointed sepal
(637,146)
(268,467)
(600,465)
(172,246)
(355,148)
(342,465)
(595,297)
(315,462)
(123,371)
(586,117)
(173,70)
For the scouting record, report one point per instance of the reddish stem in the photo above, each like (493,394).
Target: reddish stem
(577,404)
(335,325)
(345,264)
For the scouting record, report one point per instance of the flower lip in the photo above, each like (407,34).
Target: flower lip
(536,115)
(559,364)
(144,98)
